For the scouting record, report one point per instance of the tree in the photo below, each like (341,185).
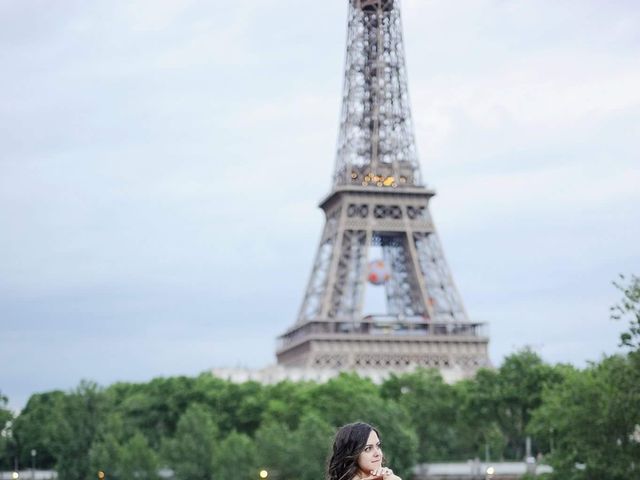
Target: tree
(300,453)
(5,413)
(344,398)
(629,308)
(190,452)
(274,442)
(510,396)
(245,404)
(154,408)
(78,418)
(311,446)
(287,401)
(477,431)
(592,419)
(236,458)
(431,405)
(37,427)
(122,454)
(7,445)
(137,460)
(104,455)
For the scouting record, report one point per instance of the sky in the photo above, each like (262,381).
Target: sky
(161,163)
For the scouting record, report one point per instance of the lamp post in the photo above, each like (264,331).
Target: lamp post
(33,463)
(490,473)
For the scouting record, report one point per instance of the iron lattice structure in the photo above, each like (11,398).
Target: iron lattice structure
(376,134)
(378,200)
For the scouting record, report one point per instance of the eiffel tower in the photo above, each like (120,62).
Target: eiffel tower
(379,203)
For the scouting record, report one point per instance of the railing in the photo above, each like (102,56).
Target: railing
(29,474)
(383,326)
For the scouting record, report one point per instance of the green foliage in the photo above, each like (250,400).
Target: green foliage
(287,402)
(7,444)
(477,430)
(77,418)
(629,308)
(516,393)
(593,418)
(137,460)
(244,405)
(206,425)
(273,441)
(344,399)
(431,406)
(236,458)
(5,413)
(106,448)
(311,440)
(301,453)
(190,453)
(120,458)
(154,408)
(36,428)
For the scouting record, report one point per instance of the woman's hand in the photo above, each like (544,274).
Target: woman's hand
(383,473)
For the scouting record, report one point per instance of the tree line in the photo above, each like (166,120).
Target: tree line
(584,422)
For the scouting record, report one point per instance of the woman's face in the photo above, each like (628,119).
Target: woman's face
(371,456)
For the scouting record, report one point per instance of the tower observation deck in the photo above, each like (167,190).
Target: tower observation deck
(379,203)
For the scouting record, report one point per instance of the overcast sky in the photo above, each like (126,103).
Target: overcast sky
(161,163)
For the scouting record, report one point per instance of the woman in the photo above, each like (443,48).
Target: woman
(357,455)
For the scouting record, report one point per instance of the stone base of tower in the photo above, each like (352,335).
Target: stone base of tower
(457,350)
(273,374)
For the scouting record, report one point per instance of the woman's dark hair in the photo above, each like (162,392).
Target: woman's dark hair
(348,444)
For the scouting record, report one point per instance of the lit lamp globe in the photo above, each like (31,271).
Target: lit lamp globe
(378,272)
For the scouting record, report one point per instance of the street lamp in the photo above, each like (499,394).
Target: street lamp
(263,473)
(33,463)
